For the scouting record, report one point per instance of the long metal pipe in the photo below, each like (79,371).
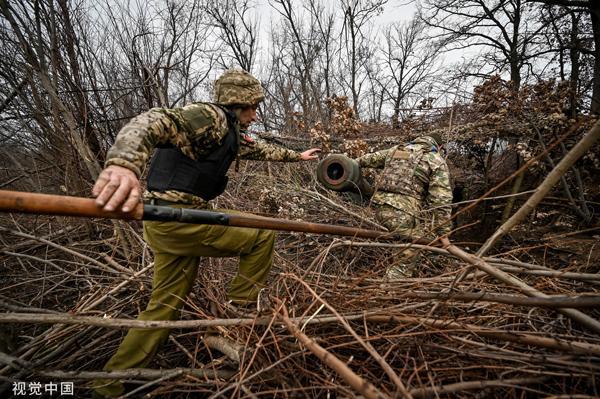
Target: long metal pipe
(60,205)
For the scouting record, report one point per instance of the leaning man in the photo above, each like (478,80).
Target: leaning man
(413,195)
(195,146)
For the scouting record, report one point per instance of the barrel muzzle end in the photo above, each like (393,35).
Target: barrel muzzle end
(340,173)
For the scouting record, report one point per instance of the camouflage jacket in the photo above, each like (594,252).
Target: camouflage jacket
(416,179)
(195,129)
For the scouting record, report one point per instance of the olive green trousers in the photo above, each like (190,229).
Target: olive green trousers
(177,251)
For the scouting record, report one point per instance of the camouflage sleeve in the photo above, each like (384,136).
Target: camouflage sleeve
(194,129)
(439,195)
(261,151)
(374,159)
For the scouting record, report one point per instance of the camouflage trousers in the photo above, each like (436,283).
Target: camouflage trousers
(396,220)
(402,222)
(177,249)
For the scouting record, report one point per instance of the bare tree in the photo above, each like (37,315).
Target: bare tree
(378,92)
(325,27)
(508,29)
(168,53)
(300,48)
(73,74)
(280,100)
(357,15)
(592,8)
(237,30)
(45,51)
(566,36)
(409,58)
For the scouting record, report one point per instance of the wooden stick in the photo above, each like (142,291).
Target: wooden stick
(374,317)
(226,346)
(591,277)
(65,318)
(553,177)
(442,251)
(583,348)
(367,389)
(70,251)
(471,385)
(372,351)
(549,302)
(150,374)
(482,265)
(583,211)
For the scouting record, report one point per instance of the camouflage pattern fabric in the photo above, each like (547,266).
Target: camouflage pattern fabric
(399,220)
(402,222)
(400,271)
(238,87)
(415,177)
(179,197)
(195,129)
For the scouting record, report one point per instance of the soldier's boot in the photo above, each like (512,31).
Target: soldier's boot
(218,337)
(250,309)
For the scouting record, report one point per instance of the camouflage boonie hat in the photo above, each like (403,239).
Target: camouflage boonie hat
(238,87)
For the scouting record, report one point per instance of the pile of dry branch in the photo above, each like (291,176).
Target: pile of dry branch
(521,322)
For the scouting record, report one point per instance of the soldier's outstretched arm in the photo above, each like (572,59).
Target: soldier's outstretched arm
(374,159)
(258,150)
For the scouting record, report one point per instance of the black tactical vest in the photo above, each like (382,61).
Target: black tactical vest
(205,177)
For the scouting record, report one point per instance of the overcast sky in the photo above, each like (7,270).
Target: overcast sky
(394,11)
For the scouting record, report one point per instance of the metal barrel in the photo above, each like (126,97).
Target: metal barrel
(338,172)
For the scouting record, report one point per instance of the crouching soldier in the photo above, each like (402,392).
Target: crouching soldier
(413,196)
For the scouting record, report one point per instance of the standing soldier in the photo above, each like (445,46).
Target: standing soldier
(416,177)
(196,146)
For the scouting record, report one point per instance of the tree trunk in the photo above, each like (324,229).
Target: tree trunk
(396,116)
(595,13)
(515,189)
(515,59)
(574,55)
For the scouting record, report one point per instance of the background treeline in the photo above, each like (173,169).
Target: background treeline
(73,72)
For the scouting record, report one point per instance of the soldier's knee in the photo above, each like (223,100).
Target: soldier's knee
(266,236)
